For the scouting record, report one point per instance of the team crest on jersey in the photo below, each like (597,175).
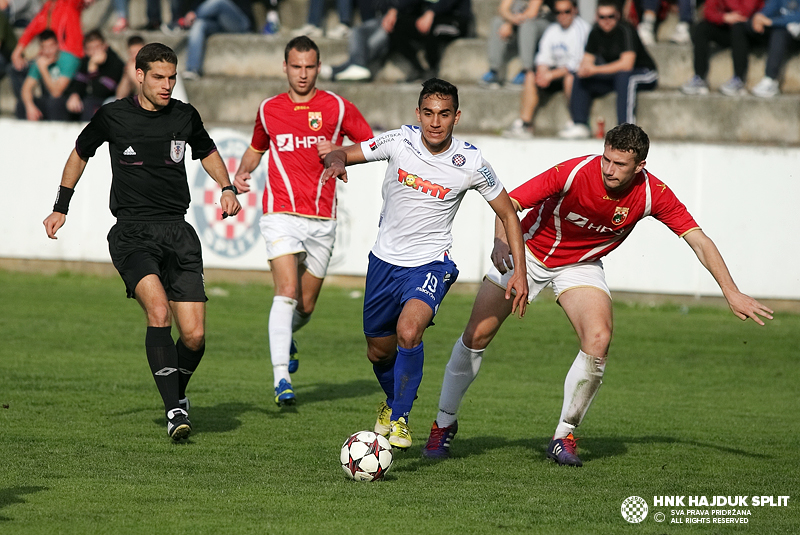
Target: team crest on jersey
(459,160)
(176,150)
(315,120)
(620,214)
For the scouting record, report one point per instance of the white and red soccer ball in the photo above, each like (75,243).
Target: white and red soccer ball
(366,456)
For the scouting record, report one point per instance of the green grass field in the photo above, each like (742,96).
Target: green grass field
(695,403)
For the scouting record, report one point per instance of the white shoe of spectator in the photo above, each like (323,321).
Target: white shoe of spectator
(733,87)
(326,72)
(681,34)
(766,88)
(354,73)
(340,31)
(646,33)
(308,30)
(695,86)
(518,130)
(191,75)
(575,131)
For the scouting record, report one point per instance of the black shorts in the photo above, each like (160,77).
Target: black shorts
(169,249)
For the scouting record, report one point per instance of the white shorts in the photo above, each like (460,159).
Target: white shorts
(309,238)
(582,274)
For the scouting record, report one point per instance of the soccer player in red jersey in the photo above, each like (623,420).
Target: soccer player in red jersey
(298,128)
(579,211)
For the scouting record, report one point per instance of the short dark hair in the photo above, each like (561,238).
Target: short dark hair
(629,138)
(135,40)
(47,34)
(152,53)
(616,4)
(302,43)
(436,86)
(94,35)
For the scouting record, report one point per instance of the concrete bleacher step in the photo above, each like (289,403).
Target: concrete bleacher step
(665,114)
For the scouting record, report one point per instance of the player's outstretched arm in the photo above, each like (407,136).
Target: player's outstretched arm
(250,160)
(215,167)
(73,170)
(742,305)
(518,284)
(336,161)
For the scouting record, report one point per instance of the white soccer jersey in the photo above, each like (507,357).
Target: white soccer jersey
(563,48)
(422,192)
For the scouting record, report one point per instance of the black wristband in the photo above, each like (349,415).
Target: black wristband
(232,188)
(62,199)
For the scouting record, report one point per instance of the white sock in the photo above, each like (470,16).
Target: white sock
(461,370)
(299,320)
(280,336)
(582,383)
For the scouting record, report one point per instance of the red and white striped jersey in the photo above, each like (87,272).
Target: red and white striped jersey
(290,132)
(573,218)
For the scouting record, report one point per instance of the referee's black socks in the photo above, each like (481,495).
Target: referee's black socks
(163,359)
(188,361)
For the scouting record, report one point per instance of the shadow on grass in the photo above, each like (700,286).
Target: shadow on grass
(12,495)
(225,417)
(591,449)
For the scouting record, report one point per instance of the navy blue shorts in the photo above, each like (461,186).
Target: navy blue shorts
(389,287)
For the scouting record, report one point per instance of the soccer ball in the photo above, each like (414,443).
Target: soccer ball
(366,456)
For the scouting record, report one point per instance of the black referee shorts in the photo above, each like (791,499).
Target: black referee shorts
(169,249)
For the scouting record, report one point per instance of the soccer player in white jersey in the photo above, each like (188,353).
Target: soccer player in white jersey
(580,210)
(410,269)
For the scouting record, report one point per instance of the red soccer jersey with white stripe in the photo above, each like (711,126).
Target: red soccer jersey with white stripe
(573,219)
(290,132)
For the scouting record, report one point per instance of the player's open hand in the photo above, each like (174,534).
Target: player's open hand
(518,289)
(745,307)
(336,170)
(240,181)
(53,222)
(229,203)
(501,256)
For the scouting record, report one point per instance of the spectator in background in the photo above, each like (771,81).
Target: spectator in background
(50,73)
(128,85)
(519,25)
(214,16)
(647,26)
(428,26)
(369,43)
(97,79)
(63,17)
(177,22)
(560,53)
(773,20)
(8,40)
(316,15)
(20,12)
(615,60)
(726,23)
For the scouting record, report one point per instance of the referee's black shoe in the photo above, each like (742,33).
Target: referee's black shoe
(178,424)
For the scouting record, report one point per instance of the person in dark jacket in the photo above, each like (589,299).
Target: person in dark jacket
(99,73)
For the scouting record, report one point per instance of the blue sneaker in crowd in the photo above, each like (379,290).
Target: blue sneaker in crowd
(293,362)
(284,395)
(491,79)
(519,79)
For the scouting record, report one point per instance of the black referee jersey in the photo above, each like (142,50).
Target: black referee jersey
(147,149)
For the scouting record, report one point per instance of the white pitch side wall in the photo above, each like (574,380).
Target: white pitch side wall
(744,198)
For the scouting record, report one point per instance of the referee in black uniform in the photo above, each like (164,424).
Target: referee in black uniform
(155,251)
